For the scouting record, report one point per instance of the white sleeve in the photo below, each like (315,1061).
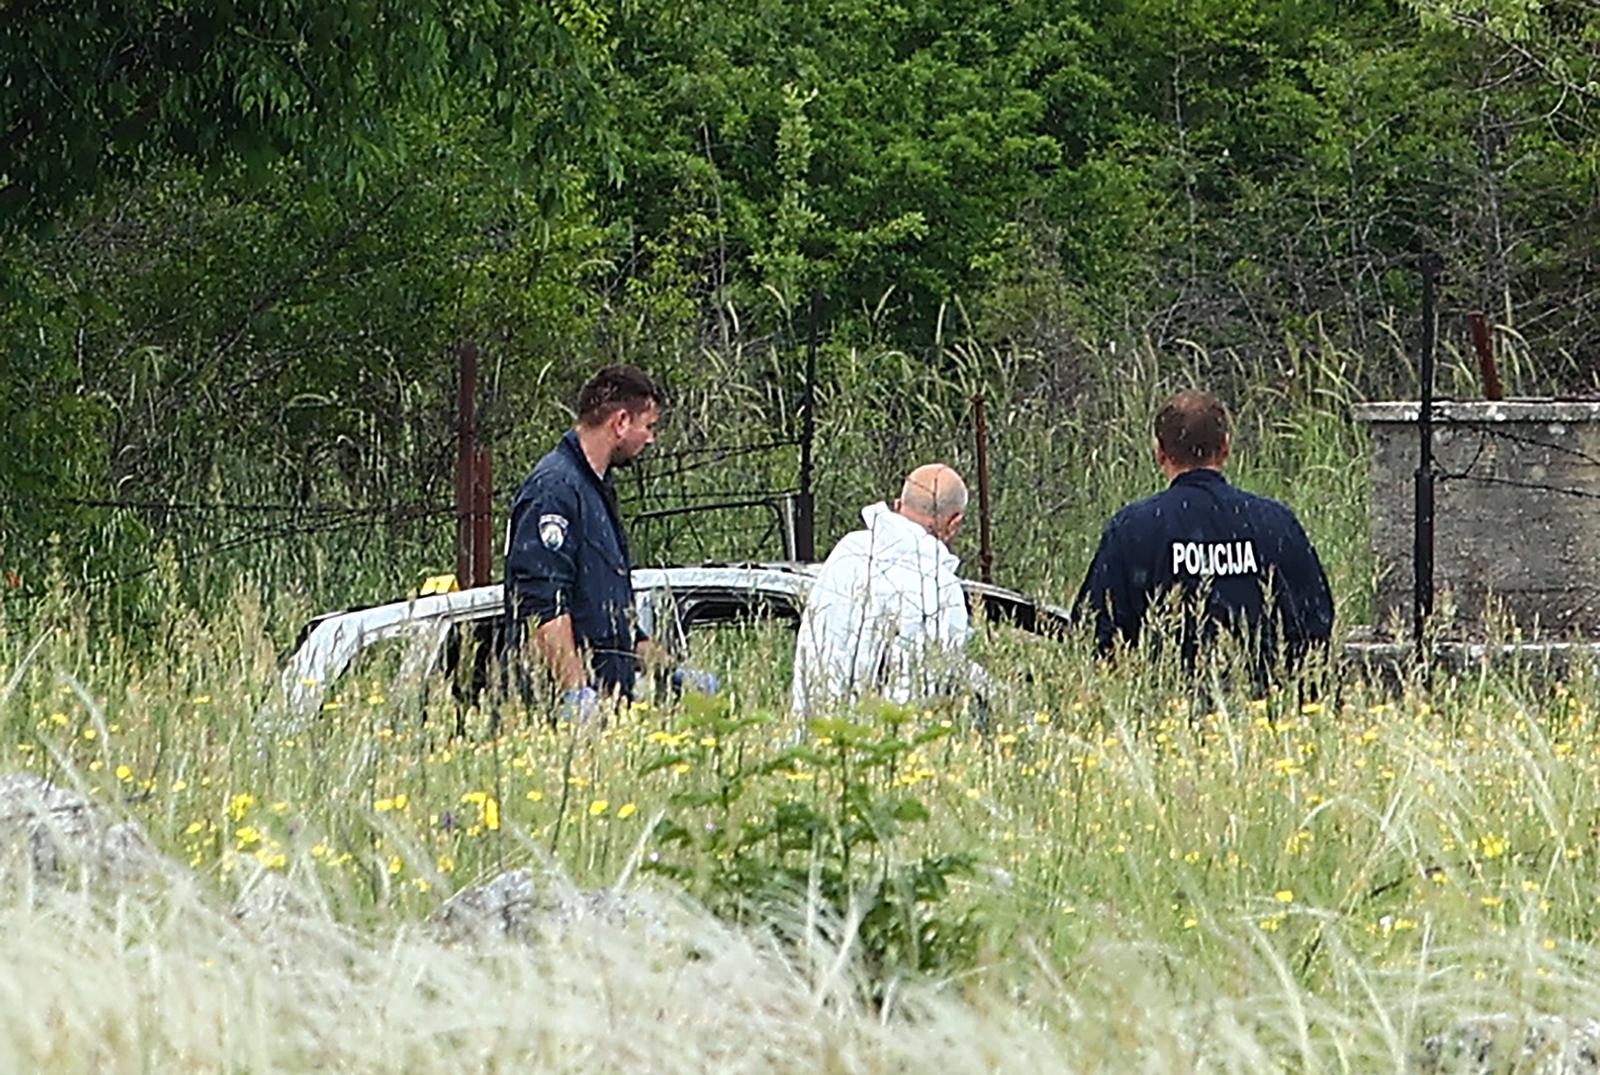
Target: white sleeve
(951,625)
(955,631)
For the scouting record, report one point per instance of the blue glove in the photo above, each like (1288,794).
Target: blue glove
(579,705)
(697,680)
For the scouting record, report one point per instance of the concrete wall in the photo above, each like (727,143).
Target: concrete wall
(1517,516)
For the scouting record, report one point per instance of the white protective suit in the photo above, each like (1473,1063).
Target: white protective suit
(885,617)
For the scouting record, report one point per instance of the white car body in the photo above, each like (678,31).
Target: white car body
(706,593)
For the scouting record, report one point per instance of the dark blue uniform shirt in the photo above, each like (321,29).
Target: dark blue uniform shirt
(1241,561)
(566,554)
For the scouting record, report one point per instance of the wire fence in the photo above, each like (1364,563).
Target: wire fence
(1488,434)
(674,515)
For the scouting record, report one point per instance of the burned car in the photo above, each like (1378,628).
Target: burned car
(455,634)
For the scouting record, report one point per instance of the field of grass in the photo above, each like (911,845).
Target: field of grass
(1122,875)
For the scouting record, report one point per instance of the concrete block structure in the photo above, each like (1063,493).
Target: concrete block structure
(1517,516)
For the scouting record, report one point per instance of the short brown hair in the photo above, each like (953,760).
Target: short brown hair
(615,388)
(1192,428)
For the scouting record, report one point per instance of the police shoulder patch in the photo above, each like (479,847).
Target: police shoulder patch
(553,531)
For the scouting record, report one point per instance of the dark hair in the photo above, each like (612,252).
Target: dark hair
(616,388)
(1192,428)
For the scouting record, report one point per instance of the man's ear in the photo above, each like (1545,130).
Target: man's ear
(1226,450)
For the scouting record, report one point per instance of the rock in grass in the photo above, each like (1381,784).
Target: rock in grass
(268,899)
(59,834)
(521,904)
(1504,1044)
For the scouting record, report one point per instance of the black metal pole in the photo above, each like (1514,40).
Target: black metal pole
(466,461)
(980,423)
(1422,549)
(805,518)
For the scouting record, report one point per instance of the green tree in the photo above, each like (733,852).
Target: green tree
(903,137)
(96,90)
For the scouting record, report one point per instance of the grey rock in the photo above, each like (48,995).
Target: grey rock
(58,833)
(522,904)
(1503,1044)
(268,898)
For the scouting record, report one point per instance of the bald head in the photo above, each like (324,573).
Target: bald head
(934,496)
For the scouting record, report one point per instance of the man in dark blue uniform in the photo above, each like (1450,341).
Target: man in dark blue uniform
(568,570)
(1231,560)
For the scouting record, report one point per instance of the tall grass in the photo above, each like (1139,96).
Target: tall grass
(1067,449)
(1161,880)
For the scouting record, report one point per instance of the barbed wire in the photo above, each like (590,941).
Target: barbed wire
(1487,434)
(131,504)
(656,498)
(262,535)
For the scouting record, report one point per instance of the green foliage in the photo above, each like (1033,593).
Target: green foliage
(754,849)
(97,91)
(310,322)
(245,242)
(925,128)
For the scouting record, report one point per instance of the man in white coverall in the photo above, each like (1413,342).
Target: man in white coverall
(886,616)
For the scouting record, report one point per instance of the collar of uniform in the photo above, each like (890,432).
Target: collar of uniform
(1200,476)
(570,442)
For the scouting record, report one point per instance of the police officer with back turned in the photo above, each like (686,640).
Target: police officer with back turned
(568,571)
(1238,562)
